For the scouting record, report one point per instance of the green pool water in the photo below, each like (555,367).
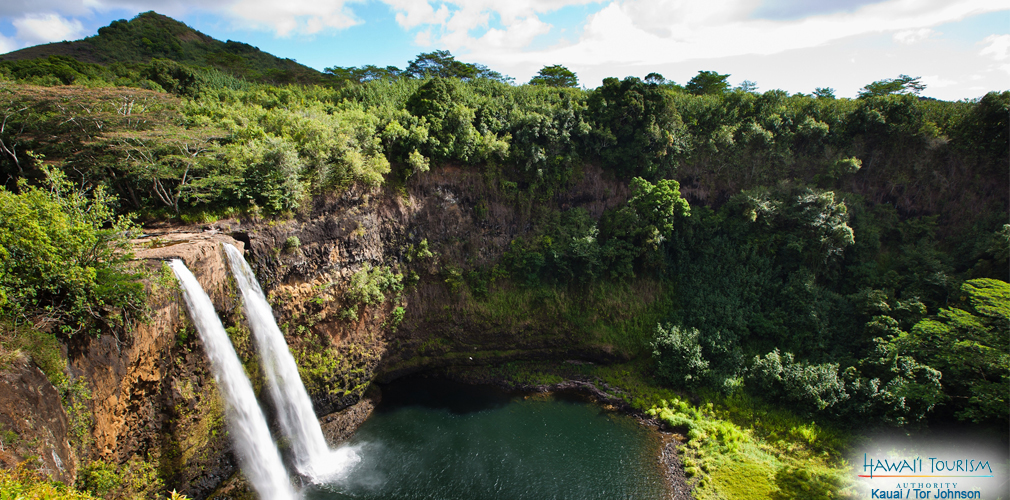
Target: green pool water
(432,439)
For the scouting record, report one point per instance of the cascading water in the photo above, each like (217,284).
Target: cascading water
(313,457)
(247,426)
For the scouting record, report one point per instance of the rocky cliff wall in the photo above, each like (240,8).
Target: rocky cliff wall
(154,407)
(33,423)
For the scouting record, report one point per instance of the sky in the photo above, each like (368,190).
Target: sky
(959,48)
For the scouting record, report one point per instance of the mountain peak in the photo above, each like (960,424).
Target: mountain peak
(150,36)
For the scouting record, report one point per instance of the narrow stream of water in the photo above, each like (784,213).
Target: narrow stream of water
(432,439)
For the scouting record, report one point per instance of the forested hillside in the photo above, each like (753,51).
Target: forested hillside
(843,259)
(127,45)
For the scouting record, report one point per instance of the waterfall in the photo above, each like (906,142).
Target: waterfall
(298,421)
(247,426)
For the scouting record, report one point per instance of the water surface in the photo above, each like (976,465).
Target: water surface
(440,440)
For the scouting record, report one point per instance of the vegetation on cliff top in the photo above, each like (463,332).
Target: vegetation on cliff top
(843,258)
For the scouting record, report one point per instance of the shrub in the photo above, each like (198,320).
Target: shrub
(63,256)
(678,356)
(781,377)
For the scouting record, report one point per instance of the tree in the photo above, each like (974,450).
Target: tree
(361,74)
(639,228)
(824,92)
(708,82)
(443,64)
(747,86)
(636,128)
(967,343)
(678,356)
(655,79)
(904,84)
(555,76)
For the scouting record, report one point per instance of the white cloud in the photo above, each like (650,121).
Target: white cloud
(701,30)
(283,17)
(8,44)
(303,17)
(665,31)
(452,28)
(411,13)
(911,36)
(998,48)
(44,28)
(936,82)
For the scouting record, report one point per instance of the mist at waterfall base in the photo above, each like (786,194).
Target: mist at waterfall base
(313,457)
(437,439)
(247,426)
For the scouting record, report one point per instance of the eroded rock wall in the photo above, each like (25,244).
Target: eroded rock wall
(154,400)
(33,422)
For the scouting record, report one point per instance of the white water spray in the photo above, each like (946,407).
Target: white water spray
(294,408)
(247,426)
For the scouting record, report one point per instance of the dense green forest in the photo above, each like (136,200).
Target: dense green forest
(845,259)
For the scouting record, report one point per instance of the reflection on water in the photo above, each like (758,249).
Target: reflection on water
(440,440)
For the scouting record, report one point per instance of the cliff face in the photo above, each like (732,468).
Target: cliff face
(355,297)
(155,410)
(465,223)
(34,423)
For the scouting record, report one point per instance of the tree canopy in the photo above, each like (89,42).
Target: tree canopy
(708,82)
(903,84)
(555,76)
(443,64)
(363,74)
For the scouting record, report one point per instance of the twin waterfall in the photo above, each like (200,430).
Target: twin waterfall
(247,425)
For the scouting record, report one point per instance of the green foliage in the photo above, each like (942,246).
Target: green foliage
(983,131)
(708,83)
(679,361)
(636,128)
(187,81)
(396,317)
(904,84)
(555,76)
(824,93)
(363,74)
(572,248)
(137,478)
(419,252)
(782,378)
(99,478)
(442,64)
(76,399)
(567,251)
(702,431)
(968,345)
(649,217)
(59,261)
(153,36)
(21,483)
(370,285)
(454,128)
(801,483)
(271,177)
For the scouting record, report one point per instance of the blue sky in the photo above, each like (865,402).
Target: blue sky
(960,48)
